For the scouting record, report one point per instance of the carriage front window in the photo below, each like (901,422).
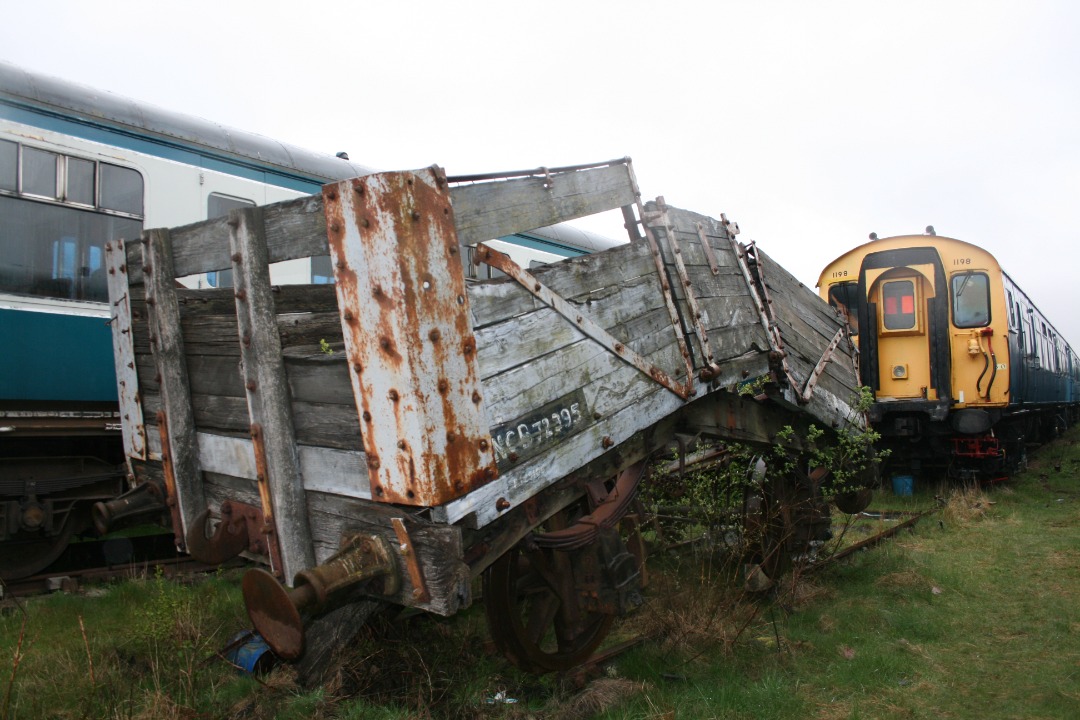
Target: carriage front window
(971,300)
(898,297)
(845,298)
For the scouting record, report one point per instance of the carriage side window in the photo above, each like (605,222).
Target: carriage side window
(56,214)
(121,189)
(80,182)
(218,205)
(1034,335)
(56,251)
(898,297)
(39,172)
(321,271)
(971,300)
(845,298)
(9,166)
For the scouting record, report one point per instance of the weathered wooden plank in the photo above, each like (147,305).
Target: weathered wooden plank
(318,377)
(573,278)
(325,470)
(294,229)
(511,343)
(482,506)
(217,335)
(167,343)
(485,211)
(269,405)
(215,375)
(584,366)
(796,302)
(333,426)
(287,299)
(297,228)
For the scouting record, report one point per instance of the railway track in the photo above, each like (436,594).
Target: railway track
(96,561)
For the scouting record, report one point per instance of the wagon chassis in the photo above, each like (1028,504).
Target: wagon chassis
(452,429)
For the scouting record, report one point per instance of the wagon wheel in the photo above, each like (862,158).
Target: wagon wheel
(534,611)
(21,558)
(767,527)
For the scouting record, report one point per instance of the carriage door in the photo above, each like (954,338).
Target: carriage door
(900,296)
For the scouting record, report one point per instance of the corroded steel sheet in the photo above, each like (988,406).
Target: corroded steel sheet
(127,380)
(412,355)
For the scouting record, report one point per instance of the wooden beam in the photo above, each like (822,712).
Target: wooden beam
(167,347)
(485,211)
(269,404)
(482,211)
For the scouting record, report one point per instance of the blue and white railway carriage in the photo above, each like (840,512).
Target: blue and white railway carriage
(80,168)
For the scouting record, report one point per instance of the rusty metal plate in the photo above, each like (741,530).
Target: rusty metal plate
(127,380)
(412,355)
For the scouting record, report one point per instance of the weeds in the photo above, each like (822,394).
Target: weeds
(974,617)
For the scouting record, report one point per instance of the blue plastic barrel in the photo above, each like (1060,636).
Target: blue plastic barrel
(903,485)
(249,652)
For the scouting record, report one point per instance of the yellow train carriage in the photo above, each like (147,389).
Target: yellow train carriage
(965,369)
(939,319)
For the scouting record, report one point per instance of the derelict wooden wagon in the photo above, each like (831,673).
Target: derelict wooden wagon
(396,433)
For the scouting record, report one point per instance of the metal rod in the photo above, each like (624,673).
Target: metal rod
(541,171)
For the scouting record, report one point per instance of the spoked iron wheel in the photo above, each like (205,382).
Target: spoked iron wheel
(535,613)
(767,527)
(21,558)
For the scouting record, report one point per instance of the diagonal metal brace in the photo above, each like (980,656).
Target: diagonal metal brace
(579,318)
(826,356)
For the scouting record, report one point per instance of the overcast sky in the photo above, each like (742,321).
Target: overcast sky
(811,124)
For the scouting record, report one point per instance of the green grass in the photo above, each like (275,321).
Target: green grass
(972,614)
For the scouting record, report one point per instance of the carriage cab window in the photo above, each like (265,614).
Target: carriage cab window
(971,300)
(845,298)
(898,299)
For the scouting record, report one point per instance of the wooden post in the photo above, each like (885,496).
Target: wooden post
(280,483)
(167,346)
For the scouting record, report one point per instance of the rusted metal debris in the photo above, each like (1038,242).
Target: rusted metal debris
(870,541)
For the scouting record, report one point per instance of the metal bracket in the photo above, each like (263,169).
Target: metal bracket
(242,527)
(711,369)
(127,379)
(262,479)
(412,563)
(171,500)
(808,391)
(761,302)
(710,254)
